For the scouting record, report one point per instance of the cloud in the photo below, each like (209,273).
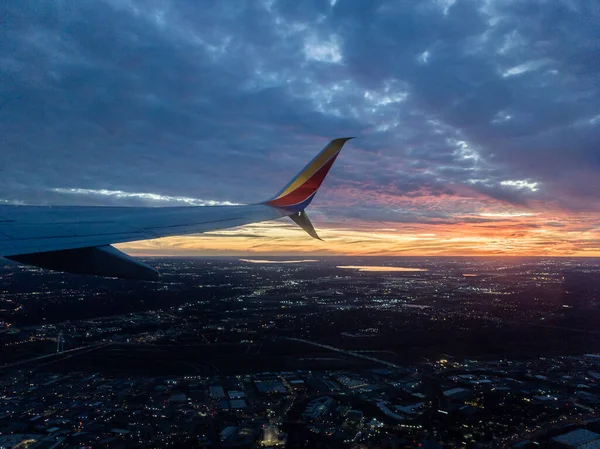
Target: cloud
(150,198)
(164,102)
(521,184)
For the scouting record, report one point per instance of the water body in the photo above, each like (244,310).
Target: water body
(375,268)
(276,261)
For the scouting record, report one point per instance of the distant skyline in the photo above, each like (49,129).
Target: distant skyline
(477,122)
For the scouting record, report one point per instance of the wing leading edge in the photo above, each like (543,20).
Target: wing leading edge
(77,239)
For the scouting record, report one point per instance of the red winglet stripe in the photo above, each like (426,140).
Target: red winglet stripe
(305,190)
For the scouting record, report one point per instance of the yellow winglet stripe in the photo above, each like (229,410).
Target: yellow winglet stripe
(328,152)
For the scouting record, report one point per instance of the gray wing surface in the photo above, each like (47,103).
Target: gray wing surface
(32,229)
(78,239)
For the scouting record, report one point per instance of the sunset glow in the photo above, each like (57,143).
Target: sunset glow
(536,235)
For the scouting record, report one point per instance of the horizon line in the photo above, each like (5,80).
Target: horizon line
(246,256)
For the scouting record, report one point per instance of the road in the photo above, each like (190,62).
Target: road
(55,355)
(344,351)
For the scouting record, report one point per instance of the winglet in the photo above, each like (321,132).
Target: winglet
(302,220)
(298,194)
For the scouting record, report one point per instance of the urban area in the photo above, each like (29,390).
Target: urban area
(324,353)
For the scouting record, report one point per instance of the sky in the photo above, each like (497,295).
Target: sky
(477,122)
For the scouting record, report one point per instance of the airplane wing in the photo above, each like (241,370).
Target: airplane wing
(78,239)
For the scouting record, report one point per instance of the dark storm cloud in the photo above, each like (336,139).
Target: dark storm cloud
(176,102)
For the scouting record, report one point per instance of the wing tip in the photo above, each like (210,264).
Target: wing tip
(303,187)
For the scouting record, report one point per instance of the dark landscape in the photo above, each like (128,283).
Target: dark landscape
(474,325)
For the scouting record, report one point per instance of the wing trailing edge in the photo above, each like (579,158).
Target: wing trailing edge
(96,260)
